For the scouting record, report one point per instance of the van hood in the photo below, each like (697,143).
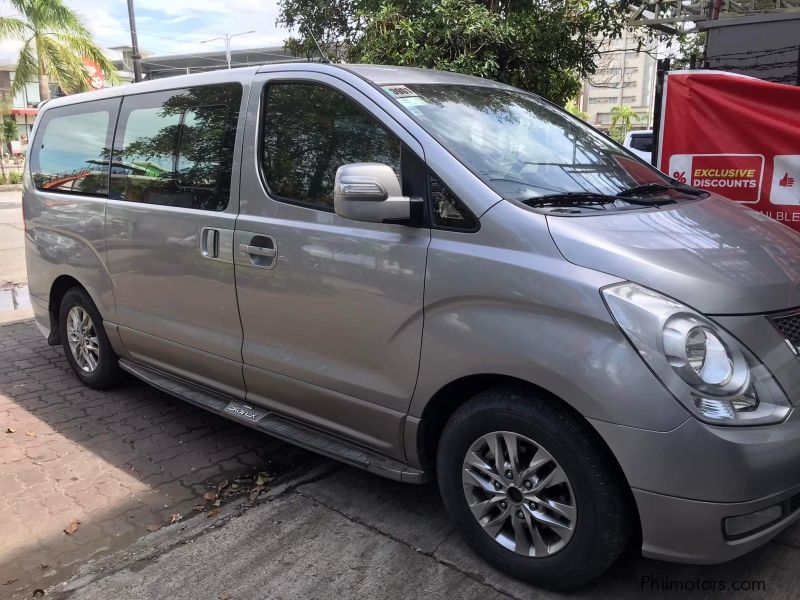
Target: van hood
(712,254)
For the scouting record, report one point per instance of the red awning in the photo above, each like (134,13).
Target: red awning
(25,111)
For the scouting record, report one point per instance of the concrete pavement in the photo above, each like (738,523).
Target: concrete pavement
(348,534)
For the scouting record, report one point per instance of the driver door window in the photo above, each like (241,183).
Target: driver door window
(311,130)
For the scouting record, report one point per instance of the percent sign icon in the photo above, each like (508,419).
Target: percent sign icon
(680,176)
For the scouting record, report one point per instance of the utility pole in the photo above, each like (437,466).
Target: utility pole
(227,39)
(135,56)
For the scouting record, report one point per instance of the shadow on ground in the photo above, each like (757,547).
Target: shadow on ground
(121,460)
(118,461)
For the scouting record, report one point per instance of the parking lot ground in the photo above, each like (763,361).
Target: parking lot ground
(348,534)
(128,459)
(114,462)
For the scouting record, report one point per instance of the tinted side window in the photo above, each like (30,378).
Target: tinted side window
(70,154)
(175,148)
(643,143)
(310,131)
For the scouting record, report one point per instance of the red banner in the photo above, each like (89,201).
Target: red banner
(736,136)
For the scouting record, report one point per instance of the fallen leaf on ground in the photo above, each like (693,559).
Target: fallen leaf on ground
(72,527)
(38,593)
(216,502)
(10,430)
(210,496)
(44,567)
(30,433)
(224,596)
(153,527)
(263,478)
(222,485)
(175,517)
(212,513)
(254,494)
(199,507)
(9,582)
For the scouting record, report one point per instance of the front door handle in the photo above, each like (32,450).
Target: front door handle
(257,250)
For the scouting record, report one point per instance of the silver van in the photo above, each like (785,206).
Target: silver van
(428,275)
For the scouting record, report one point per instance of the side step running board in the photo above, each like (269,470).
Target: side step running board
(277,426)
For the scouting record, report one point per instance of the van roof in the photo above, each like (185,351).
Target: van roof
(375,74)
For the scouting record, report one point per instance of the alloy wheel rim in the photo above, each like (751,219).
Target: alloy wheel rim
(82,339)
(519,494)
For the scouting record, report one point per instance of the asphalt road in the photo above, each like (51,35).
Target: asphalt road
(14,302)
(12,240)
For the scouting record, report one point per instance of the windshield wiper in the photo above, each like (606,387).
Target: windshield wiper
(658,187)
(589,198)
(570,198)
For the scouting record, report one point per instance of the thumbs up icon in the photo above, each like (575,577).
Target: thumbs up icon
(786,181)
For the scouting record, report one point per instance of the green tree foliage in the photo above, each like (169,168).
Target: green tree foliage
(54,44)
(690,52)
(572,108)
(544,46)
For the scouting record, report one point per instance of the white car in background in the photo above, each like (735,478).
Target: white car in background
(640,143)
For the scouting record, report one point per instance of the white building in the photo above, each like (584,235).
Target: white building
(625,76)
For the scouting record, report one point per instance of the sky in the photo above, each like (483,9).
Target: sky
(173,26)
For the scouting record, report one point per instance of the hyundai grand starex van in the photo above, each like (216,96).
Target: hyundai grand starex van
(432,276)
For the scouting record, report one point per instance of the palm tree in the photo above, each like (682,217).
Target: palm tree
(622,118)
(54,45)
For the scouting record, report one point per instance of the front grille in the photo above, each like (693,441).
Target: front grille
(789,326)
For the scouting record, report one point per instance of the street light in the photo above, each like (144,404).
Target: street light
(227,38)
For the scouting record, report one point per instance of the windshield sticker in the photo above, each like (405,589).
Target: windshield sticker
(399,91)
(412,103)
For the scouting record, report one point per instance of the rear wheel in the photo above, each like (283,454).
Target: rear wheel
(531,490)
(85,342)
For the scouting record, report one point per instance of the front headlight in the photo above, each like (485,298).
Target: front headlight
(704,367)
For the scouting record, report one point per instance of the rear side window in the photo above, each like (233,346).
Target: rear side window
(72,147)
(175,148)
(644,143)
(311,130)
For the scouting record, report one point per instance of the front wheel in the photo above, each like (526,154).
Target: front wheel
(531,490)
(85,342)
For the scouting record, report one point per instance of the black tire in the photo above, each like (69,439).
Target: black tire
(604,516)
(106,374)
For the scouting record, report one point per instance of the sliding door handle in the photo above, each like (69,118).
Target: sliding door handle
(216,243)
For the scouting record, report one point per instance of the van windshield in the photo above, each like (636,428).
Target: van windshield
(528,150)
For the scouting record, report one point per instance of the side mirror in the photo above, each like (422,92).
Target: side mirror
(369,192)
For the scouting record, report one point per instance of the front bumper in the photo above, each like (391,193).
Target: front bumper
(688,480)
(690,531)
